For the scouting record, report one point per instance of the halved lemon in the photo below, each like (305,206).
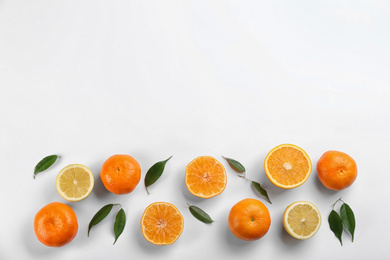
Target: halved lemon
(302,219)
(75,182)
(287,166)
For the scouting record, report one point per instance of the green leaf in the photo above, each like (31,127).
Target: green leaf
(154,173)
(235,165)
(99,216)
(45,163)
(261,190)
(200,214)
(119,225)
(335,224)
(348,218)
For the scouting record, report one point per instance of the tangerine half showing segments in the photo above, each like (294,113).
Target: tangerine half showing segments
(55,225)
(162,223)
(205,177)
(249,219)
(287,166)
(120,174)
(336,170)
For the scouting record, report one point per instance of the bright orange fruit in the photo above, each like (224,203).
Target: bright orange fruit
(162,223)
(249,219)
(336,170)
(55,224)
(205,177)
(120,174)
(287,166)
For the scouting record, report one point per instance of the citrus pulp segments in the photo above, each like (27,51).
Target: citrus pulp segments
(75,182)
(287,166)
(302,219)
(162,223)
(205,177)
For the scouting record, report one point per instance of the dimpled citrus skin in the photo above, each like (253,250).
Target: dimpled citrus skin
(120,174)
(336,170)
(249,219)
(55,225)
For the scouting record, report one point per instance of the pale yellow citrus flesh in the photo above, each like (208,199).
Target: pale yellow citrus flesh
(287,166)
(75,182)
(162,223)
(302,219)
(205,177)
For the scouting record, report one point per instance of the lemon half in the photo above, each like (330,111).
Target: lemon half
(75,182)
(302,219)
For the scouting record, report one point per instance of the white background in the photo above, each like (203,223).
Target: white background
(89,79)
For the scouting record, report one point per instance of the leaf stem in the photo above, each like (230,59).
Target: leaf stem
(334,204)
(243,176)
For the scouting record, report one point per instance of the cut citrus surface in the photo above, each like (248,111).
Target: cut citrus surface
(205,177)
(287,166)
(162,223)
(75,182)
(302,219)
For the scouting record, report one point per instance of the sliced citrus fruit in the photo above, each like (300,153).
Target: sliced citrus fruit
(205,177)
(162,223)
(287,166)
(75,182)
(302,219)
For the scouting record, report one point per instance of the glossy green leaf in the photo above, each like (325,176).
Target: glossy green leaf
(348,218)
(200,214)
(99,216)
(154,173)
(336,224)
(45,163)
(235,165)
(261,190)
(119,225)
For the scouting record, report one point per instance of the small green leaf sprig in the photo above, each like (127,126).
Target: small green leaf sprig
(154,173)
(45,163)
(346,219)
(240,169)
(199,214)
(120,219)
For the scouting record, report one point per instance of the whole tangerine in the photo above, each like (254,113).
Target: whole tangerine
(120,174)
(55,224)
(336,170)
(249,219)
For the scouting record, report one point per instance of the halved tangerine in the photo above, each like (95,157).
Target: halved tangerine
(205,177)
(162,223)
